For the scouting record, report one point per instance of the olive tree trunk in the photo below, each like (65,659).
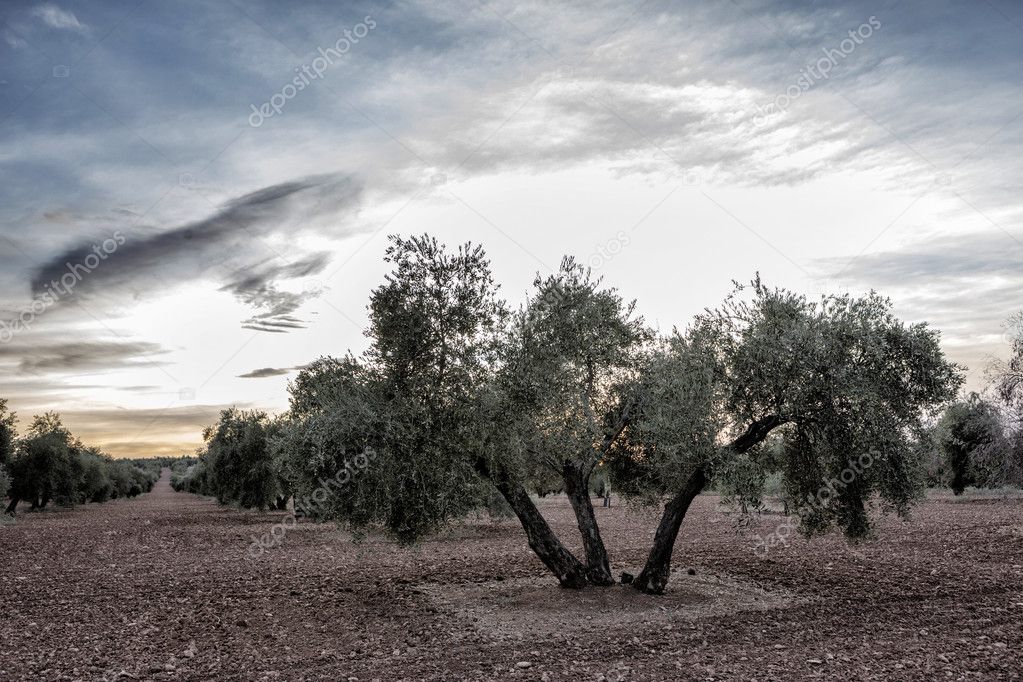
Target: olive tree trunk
(654,576)
(569,571)
(598,567)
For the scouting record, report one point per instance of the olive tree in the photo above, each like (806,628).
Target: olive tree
(8,422)
(456,396)
(45,465)
(95,484)
(335,416)
(238,462)
(965,431)
(1008,374)
(386,438)
(1003,460)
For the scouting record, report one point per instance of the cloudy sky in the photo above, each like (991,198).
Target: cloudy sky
(195,196)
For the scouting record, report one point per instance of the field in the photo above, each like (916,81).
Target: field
(163,587)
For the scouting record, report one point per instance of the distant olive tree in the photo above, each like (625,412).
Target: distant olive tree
(1003,460)
(966,433)
(95,484)
(46,465)
(8,432)
(1008,374)
(8,423)
(237,463)
(50,464)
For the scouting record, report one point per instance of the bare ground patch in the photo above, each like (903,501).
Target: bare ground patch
(537,607)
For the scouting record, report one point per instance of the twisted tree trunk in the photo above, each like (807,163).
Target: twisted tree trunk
(654,576)
(569,571)
(598,567)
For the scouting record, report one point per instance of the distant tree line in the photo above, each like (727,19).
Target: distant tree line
(49,464)
(463,403)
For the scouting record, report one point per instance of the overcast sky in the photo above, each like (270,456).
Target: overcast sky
(195,197)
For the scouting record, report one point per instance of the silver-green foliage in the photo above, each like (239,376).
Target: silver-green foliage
(839,378)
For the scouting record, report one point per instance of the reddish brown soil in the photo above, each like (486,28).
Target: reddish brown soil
(162,587)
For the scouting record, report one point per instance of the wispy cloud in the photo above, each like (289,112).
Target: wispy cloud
(257,288)
(61,19)
(265,372)
(81,356)
(966,285)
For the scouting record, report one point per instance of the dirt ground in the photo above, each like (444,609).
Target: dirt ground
(163,588)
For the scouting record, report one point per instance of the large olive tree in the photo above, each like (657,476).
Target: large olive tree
(387,437)
(455,394)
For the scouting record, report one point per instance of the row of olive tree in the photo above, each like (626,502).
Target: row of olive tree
(458,396)
(50,464)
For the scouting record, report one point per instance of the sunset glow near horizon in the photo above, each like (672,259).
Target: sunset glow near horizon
(196,203)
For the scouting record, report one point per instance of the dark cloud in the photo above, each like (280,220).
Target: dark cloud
(256,288)
(82,355)
(230,245)
(266,372)
(940,260)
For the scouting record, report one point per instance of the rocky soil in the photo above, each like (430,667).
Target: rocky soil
(163,587)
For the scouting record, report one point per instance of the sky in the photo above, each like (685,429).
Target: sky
(196,197)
